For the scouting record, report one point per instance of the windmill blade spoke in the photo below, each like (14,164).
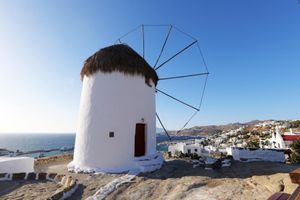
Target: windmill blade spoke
(177,100)
(157,25)
(201,54)
(182,50)
(163,47)
(200,104)
(184,33)
(162,126)
(129,32)
(187,122)
(184,76)
(143,32)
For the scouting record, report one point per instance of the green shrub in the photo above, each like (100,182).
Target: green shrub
(253,144)
(217,164)
(194,156)
(265,143)
(246,137)
(295,157)
(178,154)
(294,124)
(229,157)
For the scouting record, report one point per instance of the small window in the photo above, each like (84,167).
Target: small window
(195,150)
(111,134)
(188,151)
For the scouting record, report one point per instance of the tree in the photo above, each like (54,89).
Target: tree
(253,144)
(294,124)
(265,143)
(295,157)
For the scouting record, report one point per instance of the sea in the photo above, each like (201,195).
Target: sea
(59,143)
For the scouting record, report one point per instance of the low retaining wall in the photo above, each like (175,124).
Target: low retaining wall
(51,159)
(249,155)
(69,184)
(16,164)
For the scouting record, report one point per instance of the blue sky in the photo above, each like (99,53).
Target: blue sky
(252,49)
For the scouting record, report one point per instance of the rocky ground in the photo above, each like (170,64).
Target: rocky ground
(88,183)
(177,179)
(19,190)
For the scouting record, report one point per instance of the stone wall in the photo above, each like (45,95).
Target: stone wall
(51,159)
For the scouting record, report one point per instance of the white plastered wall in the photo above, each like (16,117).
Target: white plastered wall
(16,164)
(113,102)
(258,155)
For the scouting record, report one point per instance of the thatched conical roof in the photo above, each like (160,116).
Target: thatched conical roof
(119,58)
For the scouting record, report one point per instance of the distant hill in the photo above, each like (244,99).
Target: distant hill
(213,129)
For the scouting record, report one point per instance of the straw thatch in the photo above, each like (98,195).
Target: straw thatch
(119,58)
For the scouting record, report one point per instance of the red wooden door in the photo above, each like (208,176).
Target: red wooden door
(139,147)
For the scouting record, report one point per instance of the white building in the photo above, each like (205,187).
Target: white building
(284,141)
(277,141)
(116,124)
(185,148)
(290,137)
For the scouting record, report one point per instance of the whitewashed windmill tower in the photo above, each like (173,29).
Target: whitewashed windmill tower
(117,111)
(116,128)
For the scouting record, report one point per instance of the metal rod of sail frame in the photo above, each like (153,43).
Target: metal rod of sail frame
(177,100)
(163,47)
(143,33)
(163,126)
(183,76)
(179,52)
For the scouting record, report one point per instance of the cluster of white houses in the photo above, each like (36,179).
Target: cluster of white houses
(278,144)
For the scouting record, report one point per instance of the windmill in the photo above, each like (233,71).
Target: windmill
(140,41)
(117,112)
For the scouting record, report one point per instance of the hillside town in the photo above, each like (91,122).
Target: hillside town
(261,141)
(267,134)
